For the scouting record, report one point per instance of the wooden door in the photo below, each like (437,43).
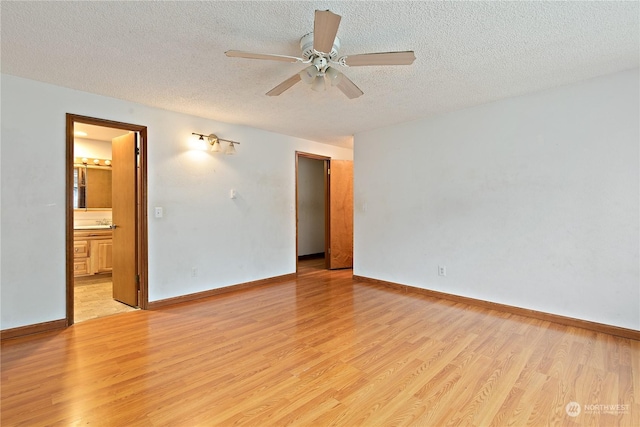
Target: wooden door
(98,188)
(340,245)
(124,166)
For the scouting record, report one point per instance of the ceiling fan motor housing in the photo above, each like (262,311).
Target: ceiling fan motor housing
(306,44)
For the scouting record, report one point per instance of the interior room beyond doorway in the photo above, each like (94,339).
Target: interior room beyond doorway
(311,208)
(92,219)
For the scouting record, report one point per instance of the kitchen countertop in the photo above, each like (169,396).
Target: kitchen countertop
(91,227)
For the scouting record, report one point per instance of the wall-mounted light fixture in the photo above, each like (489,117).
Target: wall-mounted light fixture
(214,141)
(93,162)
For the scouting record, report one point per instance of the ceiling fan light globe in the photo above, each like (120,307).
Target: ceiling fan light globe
(318,84)
(334,76)
(309,74)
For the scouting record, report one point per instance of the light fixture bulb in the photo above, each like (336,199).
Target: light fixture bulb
(318,84)
(230,149)
(309,74)
(107,162)
(334,76)
(96,161)
(214,142)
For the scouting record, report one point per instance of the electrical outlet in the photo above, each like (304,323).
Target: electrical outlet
(194,272)
(159,212)
(442,270)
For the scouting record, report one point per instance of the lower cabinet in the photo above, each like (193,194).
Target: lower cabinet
(81,267)
(101,251)
(80,257)
(92,251)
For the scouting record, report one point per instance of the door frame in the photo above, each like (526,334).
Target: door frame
(141,208)
(327,235)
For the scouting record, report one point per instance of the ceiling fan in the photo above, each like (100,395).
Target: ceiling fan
(320,50)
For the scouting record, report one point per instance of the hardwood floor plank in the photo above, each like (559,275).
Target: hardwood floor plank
(319,350)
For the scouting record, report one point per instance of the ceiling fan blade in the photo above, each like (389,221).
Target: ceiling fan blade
(251,55)
(349,88)
(382,58)
(284,85)
(325,28)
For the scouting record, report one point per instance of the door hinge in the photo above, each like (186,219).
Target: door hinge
(137,151)
(329,250)
(138,280)
(328,171)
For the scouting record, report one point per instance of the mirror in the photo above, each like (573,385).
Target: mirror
(91,187)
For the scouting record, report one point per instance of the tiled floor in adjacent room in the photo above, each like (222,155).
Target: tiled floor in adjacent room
(93,298)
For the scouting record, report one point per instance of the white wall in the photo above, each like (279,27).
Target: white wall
(311,223)
(531,202)
(229,241)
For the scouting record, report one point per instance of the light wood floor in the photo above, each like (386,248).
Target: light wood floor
(93,298)
(317,351)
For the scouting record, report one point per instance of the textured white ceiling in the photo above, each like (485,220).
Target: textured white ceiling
(171,55)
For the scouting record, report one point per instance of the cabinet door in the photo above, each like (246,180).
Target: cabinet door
(101,255)
(80,267)
(80,249)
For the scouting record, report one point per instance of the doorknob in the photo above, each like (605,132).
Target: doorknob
(113,226)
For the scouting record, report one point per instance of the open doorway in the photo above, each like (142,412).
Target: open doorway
(311,208)
(106,218)
(324,208)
